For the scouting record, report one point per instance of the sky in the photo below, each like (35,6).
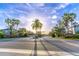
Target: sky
(48,13)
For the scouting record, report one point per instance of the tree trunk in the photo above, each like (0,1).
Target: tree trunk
(73,29)
(40,32)
(67,29)
(36,33)
(10,31)
(17,31)
(56,35)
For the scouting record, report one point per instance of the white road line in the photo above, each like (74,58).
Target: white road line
(32,52)
(20,51)
(73,44)
(59,52)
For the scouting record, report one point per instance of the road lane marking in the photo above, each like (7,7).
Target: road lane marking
(57,51)
(73,44)
(20,51)
(32,52)
(45,48)
(66,50)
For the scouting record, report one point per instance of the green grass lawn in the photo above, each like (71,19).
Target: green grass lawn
(65,38)
(71,38)
(10,39)
(6,39)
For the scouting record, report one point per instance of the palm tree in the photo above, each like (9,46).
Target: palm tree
(17,22)
(11,23)
(73,16)
(40,26)
(66,22)
(67,18)
(37,25)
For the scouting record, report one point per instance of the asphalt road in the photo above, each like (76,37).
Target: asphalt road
(44,46)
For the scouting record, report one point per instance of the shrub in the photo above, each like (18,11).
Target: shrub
(1,34)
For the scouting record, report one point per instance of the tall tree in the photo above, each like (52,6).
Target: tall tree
(40,26)
(17,22)
(68,18)
(11,23)
(73,16)
(36,25)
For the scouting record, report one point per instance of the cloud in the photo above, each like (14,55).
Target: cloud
(77,21)
(76,10)
(61,6)
(28,4)
(54,17)
(54,22)
(53,11)
(14,12)
(45,13)
(5,14)
(38,4)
